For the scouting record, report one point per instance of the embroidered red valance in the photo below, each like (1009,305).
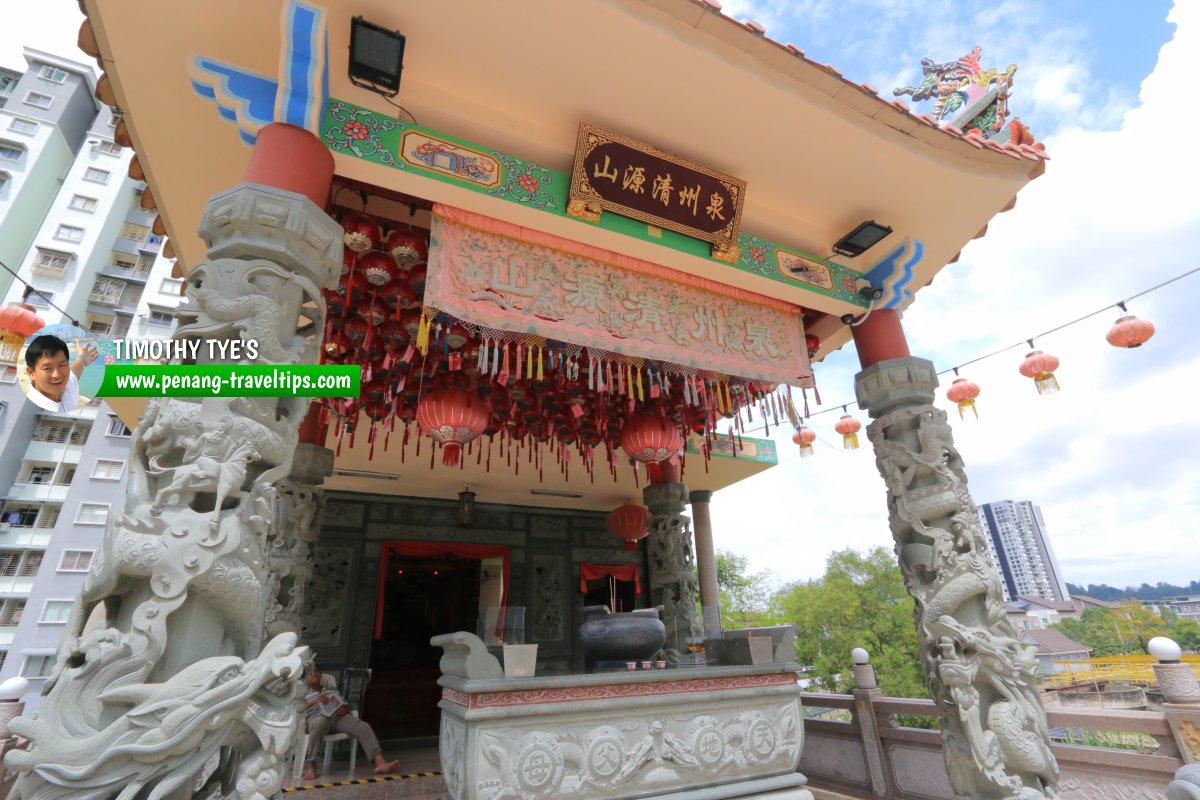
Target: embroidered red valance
(622,572)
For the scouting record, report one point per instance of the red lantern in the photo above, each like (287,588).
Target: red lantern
(452,417)
(408,247)
(360,233)
(848,427)
(356,329)
(628,524)
(1040,367)
(804,437)
(348,257)
(17,322)
(964,392)
(1130,332)
(649,438)
(377,267)
(813,343)
(400,293)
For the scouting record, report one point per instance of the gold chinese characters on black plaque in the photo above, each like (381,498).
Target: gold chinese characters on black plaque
(618,174)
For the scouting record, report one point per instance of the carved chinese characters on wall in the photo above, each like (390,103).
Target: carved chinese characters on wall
(622,175)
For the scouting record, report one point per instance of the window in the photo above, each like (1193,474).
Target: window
(52,74)
(48,517)
(56,610)
(82,203)
(99,324)
(41,666)
(92,514)
(31,564)
(38,99)
(106,291)
(96,175)
(116,427)
(110,148)
(40,475)
(3,656)
(75,561)
(161,318)
(170,286)
(52,263)
(8,374)
(10,561)
(26,126)
(69,233)
(53,431)
(11,151)
(21,516)
(38,297)
(139,233)
(108,469)
(10,613)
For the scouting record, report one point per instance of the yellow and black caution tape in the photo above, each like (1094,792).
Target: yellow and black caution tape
(362,781)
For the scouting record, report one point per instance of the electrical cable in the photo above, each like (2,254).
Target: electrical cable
(1120,304)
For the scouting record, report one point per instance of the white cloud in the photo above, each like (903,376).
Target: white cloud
(1111,458)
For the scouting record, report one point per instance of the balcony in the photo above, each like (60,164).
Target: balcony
(15,585)
(14,537)
(125,273)
(56,492)
(104,299)
(54,452)
(55,271)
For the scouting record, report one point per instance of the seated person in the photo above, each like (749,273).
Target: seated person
(53,385)
(326,712)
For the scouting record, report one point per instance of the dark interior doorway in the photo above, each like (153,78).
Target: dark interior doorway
(425,590)
(613,592)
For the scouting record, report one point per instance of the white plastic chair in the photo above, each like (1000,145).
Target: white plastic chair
(331,739)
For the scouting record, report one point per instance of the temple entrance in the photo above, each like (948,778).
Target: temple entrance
(425,588)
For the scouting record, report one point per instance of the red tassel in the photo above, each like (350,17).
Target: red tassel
(450,454)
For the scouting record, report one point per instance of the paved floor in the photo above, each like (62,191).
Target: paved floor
(419,778)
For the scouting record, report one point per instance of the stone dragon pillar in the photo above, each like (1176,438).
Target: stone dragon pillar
(994,733)
(672,564)
(164,687)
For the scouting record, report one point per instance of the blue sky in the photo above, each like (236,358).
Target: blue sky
(1107,85)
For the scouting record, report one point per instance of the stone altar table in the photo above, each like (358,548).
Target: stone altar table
(701,734)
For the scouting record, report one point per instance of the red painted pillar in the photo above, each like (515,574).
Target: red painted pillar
(880,337)
(295,160)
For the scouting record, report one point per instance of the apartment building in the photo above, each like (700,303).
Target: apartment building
(72,227)
(1021,551)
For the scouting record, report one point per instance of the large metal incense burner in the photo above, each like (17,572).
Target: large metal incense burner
(722,732)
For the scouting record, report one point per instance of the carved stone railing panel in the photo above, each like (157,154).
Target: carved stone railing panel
(996,742)
(174,688)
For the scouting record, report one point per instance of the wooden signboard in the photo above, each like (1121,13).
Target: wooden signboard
(618,174)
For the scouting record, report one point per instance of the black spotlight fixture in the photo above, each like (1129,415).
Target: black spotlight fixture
(376,57)
(861,239)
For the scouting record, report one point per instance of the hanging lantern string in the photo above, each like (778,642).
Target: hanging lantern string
(1120,304)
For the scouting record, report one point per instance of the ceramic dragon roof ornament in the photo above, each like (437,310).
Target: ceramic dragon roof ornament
(970,98)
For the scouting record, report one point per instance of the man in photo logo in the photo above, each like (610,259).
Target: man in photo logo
(53,384)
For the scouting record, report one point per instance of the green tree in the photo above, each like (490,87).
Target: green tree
(1098,629)
(1187,633)
(860,601)
(745,596)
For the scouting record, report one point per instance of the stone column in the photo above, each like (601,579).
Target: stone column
(706,563)
(1181,697)
(299,503)
(994,733)
(866,694)
(672,580)
(173,691)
